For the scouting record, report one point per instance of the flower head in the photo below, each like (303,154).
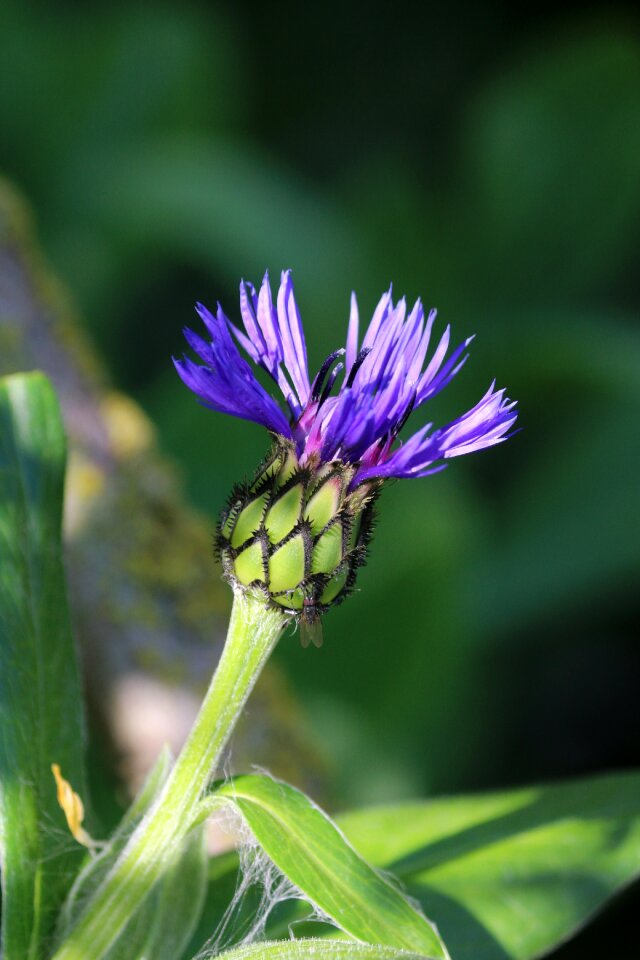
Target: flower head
(383,380)
(299,531)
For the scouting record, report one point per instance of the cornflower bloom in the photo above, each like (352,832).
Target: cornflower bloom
(300,529)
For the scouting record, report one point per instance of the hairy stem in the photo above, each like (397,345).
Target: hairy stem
(253,632)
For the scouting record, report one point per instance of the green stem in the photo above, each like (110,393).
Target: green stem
(253,632)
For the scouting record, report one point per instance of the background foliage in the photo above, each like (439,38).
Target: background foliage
(486,163)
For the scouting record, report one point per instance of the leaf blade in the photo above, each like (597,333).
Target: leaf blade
(180,900)
(310,850)
(513,874)
(41,715)
(96,867)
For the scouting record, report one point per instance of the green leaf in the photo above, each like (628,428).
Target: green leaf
(98,866)
(310,850)
(317,950)
(163,926)
(41,719)
(179,901)
(509,875)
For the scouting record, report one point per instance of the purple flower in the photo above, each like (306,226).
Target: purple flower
(384,379)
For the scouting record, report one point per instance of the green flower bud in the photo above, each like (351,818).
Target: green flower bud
(297,533)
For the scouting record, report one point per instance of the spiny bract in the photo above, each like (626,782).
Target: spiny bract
(299,533)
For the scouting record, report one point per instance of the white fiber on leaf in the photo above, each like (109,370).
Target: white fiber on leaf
(257,875)
(312,949)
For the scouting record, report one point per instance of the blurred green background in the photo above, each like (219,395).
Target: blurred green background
(484,158)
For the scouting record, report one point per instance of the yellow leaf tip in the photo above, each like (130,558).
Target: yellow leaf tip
(72,807)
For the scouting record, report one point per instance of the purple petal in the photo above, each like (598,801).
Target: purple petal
(268,321)
(423,345)
(248,311)
(274,338)
(352,335)
(436,361)
(292,338)
(383,381)
(226,382)
(485,425)
(433,381)
(379,316)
